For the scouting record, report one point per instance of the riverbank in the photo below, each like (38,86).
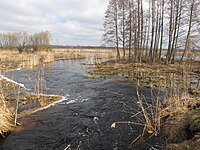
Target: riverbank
(17,103)
(179,112)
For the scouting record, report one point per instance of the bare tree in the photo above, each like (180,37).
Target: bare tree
(111,28)
(162,29)
(152,31)
(189,29)
(40,41)
(123,15)
(129,22)
(22,41)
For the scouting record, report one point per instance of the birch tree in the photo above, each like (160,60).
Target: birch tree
(111,28)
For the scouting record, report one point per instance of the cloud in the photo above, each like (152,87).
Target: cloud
(70,22)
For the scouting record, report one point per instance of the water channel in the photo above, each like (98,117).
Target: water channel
(83,120)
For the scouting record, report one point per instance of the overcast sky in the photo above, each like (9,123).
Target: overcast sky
(70,22)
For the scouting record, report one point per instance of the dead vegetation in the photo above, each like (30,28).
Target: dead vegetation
(175,77)
(10,59)
(6,118)
(75,53)
(15,103)
(6,115)
(176,119)
(182,130)
(13,100)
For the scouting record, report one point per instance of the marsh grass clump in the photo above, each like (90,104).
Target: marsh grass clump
(33,59)
(179,105)
(6,118)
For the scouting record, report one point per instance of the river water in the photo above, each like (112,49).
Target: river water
(83,120)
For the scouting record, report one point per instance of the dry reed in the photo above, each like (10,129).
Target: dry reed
(85,50)
(6,117)
(178,105)
(12,59)
(150,114)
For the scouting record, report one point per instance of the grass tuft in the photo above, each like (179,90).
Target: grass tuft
(7,119)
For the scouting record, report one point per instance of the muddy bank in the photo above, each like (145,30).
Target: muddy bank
(182,130)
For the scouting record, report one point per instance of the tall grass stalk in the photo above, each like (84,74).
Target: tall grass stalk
(38,83)
(148,115)
(27,60)
(17,107)
(150,112)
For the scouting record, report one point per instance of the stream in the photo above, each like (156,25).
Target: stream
(83,120)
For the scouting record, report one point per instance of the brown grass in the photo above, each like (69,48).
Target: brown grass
(6,118)
(85,50)
(175,77)
(9,114)
(67,53)
(147,114)
(12,59)
(178,105)
(7,121)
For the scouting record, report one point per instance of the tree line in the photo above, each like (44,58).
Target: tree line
(24,42)
(143,29)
